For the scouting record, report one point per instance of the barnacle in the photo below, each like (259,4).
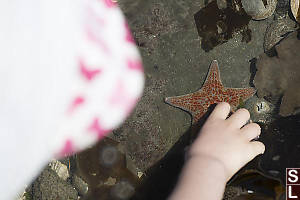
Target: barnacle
(295,5)
(276,31)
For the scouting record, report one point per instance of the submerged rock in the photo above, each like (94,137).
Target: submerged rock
(103,167)
(278,76)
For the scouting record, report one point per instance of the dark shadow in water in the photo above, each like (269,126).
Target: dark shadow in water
(162,177)
(252,71)
(216,26)
(282,141)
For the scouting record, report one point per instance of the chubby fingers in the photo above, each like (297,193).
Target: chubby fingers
(239,118)
(250,131)
(221,111)
(256,148)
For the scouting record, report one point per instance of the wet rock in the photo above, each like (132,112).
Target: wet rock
(259,9)
(81,186)
(159,22)
(278,76)
(276,31)
(49,186)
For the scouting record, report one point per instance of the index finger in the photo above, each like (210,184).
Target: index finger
(221,111)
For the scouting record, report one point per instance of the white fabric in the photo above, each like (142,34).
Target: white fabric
(69,74)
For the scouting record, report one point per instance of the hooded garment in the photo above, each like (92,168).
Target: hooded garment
(69,74)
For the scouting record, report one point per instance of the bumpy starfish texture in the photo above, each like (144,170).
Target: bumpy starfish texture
(212,92)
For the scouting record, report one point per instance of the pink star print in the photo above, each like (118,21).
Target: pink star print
(79,100)
(109,3)
(67,149)
(120,97)
(87,73)
(129,37)
(135,65)
(97,128)
(95,38)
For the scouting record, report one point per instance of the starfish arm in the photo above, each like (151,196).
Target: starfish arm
(238,94)
(213,79)
(192,103)
(197,115)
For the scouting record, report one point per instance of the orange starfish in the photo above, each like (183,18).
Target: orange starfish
(212,91)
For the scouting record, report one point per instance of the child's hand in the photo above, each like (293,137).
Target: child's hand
(228,141)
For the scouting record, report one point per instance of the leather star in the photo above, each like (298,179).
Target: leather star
(212,91)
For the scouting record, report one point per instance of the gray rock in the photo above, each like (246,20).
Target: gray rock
(48,186)
(258,9)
